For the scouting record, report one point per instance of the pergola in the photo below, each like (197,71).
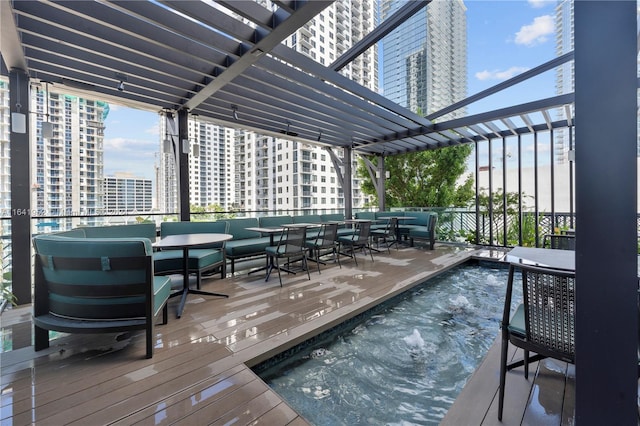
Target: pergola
(225,62)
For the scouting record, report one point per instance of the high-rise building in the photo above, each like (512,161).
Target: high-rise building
(5,151)
(126,193)
(564,72)
(275,173)
(67,168)
(211,166)
(425,58)
(565,76)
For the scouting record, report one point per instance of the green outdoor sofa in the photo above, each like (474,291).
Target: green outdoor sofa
(96,285)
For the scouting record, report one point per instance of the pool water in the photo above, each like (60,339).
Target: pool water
(405,364)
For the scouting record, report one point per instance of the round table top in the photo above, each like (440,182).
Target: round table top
(191,240)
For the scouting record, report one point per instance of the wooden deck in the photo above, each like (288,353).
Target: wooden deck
(200,370)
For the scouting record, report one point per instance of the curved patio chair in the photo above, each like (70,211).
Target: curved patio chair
(325,242)
(543,323)
(359,240)
(292,247)
(96,285)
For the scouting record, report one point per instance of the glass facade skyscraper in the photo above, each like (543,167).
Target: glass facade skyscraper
(424,61)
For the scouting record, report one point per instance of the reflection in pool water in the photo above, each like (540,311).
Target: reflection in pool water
(405,363)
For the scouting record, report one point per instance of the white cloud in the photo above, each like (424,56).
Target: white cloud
(500,75)
(153,130)
(536,32)
(128,145)
(136,156)
(538,4)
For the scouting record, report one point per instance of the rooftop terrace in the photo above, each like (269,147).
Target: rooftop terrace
(200,370)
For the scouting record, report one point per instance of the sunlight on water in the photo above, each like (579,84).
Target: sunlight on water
(403,365)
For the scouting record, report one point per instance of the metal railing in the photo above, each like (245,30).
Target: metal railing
(454,225)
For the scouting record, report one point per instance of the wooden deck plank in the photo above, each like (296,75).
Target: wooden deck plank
(569,406)
(171,400)
(200,370)
(478,393)
(547,394)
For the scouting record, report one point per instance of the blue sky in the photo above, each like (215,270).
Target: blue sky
(504,39)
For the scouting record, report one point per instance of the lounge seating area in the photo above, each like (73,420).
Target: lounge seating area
(78,272)
(247,243)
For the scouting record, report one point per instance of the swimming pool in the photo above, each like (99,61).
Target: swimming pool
(405,363)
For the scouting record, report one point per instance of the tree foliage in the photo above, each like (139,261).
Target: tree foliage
(210,212)
(425,179)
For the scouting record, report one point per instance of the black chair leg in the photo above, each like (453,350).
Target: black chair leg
(318,259)
(306,265)
(503,375)
(278,268)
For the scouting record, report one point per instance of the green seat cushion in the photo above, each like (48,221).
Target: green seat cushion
(345,231)
(275,221)
(307,218)
(237,228)
(420,232)
(421,218)
(516,325)
(245,247)
(141,230)
(55,245)
(366,215)
(171,260)
(332,217)
(161,292)
(382,215)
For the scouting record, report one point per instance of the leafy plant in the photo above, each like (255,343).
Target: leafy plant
(5,289)
(509,203)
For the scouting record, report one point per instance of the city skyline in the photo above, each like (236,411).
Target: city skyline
(505,38)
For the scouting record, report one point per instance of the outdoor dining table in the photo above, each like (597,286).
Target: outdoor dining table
(550,258)
(185,242)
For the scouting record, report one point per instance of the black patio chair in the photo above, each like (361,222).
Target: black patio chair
(358,240)
(543,323)
(325,242)
(292,246)
(388,234)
